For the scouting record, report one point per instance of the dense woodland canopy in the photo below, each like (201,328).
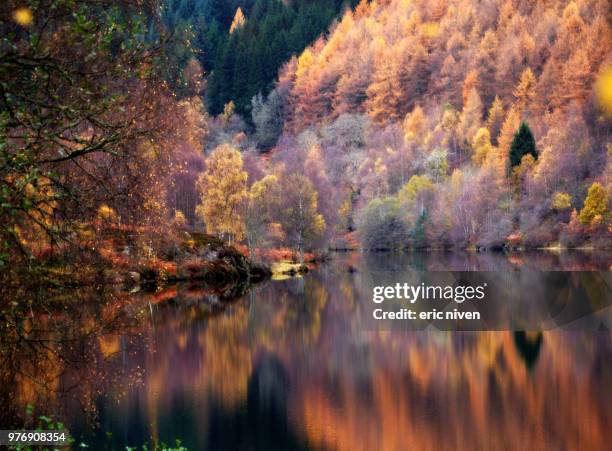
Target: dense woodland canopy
(241,44)
(407,123)
(454,122)
(88,124)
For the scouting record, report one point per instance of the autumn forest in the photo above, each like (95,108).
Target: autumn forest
(198,198)
(388,125)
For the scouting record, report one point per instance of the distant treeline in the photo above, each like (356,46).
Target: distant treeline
(241,44)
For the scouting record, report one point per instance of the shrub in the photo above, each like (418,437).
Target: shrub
(383,226)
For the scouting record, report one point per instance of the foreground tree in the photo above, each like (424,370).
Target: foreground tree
(263,203)
(301,221)
(223,189)
(85,115)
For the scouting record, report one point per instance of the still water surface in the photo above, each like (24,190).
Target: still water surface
(291,366)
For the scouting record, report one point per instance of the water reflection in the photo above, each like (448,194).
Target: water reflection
(528,346)
(290,366)
(263,420)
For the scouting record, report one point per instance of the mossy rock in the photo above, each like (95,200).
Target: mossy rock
(220,273)
(203,240)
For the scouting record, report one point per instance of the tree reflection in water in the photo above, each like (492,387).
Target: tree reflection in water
(528,345)
(291,366)
(263,421)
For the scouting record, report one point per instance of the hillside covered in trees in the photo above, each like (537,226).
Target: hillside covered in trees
(449,123)
(241,44)
(406,124)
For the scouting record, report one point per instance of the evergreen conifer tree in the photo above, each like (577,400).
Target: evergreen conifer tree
(523,143)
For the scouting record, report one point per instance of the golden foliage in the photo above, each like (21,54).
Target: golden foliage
(525,91)
(223,190)
(495,118)
(239,20)
(180,222)
(561,201)
(414,125)
(595,209)
(415,186)
(481,145)
(603,90)
(506,135)
(106,214)
(228,110)
(304,63)
(470,82)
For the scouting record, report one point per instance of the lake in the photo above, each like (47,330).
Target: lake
(300,364)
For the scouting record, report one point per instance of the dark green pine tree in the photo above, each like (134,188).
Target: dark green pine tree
(221,82)
(523,143)
(221,11)
(257,79)
(241,89)
(208,38)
